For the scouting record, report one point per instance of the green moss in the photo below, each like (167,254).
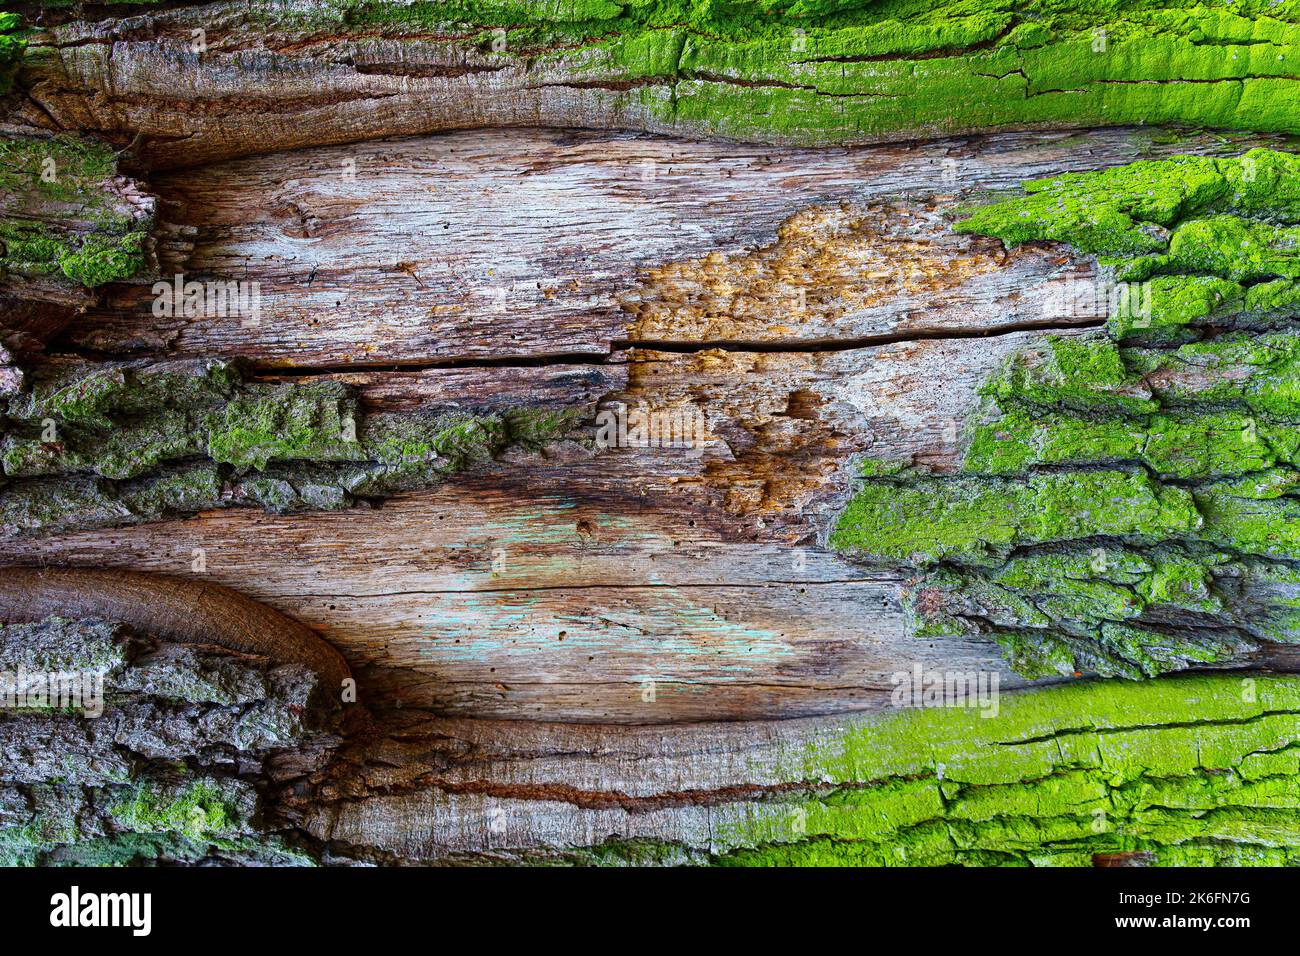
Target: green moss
(452,441)
(1107,610)
(1113,212)
(834,72)
(316,421)
(103,259)
(867,77)
(1197,444)
(123,849)
(73,164)
(91,260)
(197,810)
(879,468)
(1200,230)
(1083,373)
(143,824)
(29,252)
(1170,303)
(117,421)
(1126,509)
(1021,439)
(535,428)
(1226,246)
(979,520)
(61,219)
(102,445)
(12,47)
(184,490)
(1188,771)
(152,781)
(60,644)
(1129,211)
(1259,373)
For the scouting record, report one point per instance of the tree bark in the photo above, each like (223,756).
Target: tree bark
(393,470)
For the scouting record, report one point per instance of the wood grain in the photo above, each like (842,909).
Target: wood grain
(564,586)
(492,246)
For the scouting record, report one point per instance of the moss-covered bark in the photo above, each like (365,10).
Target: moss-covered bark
(204,754)
(11,49)
(68,220)
(1126,502)
(1186,771)
(1193,771)
(93,445)
(173,770)
(787,72)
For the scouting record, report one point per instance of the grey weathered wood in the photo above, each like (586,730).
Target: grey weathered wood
(491,245)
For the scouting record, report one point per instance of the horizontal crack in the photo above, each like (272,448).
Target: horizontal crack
(883,579)
(857,342)
(1185,725)
(416,365)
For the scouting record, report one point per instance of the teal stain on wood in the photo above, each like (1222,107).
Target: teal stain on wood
(485,628)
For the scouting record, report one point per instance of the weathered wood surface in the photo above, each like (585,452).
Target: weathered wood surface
(591,605)
(698,569)
(569,653)
(564,587)
(593,602)
(495,245)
